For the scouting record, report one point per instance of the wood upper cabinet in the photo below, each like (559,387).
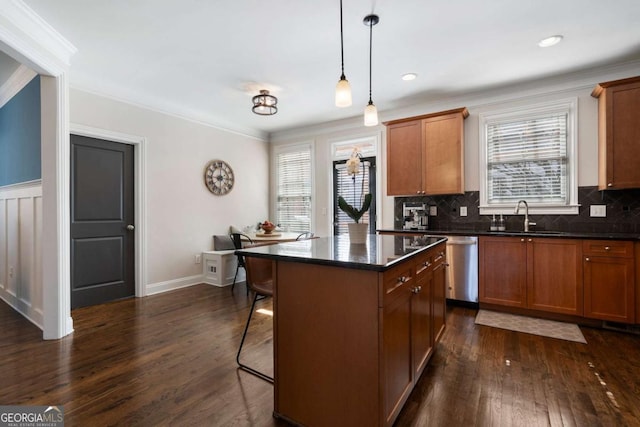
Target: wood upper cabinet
(618,133)
(536,273)
(425,154)
(609,280)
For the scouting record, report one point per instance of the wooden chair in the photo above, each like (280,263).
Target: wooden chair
(260,281)
(304,236)
(237,243)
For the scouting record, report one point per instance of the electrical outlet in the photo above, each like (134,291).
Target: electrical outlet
(598,210)
(463,211)
(433,211)
(198,259)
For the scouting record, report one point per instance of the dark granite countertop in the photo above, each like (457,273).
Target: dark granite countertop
(534,233)
(379,254)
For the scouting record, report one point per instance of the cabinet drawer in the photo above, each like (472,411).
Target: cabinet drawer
(396,281)
(614,248)
(424,263)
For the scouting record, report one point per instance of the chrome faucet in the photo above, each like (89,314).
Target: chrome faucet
(526,214)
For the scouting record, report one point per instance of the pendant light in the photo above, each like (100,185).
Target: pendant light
(264,104)
(370,111)
(343,89)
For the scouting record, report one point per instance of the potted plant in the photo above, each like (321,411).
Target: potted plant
(357,231)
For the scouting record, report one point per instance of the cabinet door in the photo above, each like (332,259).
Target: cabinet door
(443,154)
(609,288)
(619,119)
(404,157)
(439,301)
(555,275)
(503,271)
(396,352)
(421,321)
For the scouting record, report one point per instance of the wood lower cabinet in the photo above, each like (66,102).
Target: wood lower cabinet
(413,320)
(425,154)
(351,344)
(535,273)
(618,133)
(609,280)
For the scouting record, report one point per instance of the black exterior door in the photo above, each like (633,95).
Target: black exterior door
(102,214)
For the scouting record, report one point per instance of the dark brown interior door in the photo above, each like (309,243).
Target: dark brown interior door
(102,228)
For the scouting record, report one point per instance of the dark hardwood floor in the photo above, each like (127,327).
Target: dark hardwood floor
(169,359)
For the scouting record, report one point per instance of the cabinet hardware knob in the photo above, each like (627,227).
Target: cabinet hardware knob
(530,240)
(610,184)
(587,259)
(426,264)
(419,288)
(402,279)
(607,248)
(522,240)
(418,192)
(446,264)
(130,227)
(415,290)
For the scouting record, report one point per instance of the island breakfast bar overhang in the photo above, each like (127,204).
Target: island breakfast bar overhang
(354,325)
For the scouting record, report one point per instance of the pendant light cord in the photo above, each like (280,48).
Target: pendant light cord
(342,77)
(370,49)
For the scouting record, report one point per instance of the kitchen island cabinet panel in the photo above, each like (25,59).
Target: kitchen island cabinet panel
(326,325)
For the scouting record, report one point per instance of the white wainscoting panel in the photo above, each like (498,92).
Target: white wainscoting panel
(21,249)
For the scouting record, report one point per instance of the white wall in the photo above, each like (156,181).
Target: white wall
(577,85)
(182,215)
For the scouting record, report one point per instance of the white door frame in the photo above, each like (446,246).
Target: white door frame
(31,41)
(140,189)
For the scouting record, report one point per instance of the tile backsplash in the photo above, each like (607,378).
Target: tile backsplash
(623,213)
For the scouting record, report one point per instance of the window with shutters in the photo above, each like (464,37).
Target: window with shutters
(294,187)
(529,155)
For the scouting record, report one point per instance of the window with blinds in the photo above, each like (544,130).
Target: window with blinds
(530,154)
(293,187)
(527,159)
(353,188)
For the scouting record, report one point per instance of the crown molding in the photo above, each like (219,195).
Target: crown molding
(14,84)
(31,40)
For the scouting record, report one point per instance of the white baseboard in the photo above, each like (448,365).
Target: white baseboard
(170,285)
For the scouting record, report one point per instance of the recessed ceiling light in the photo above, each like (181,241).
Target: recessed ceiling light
(550,41)
(409,76)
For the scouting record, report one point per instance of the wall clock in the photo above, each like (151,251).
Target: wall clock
(218,177)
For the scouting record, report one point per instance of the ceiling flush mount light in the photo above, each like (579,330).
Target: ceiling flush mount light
(370,111)
(550,41)
(343,89)
(409,76)
(265,104)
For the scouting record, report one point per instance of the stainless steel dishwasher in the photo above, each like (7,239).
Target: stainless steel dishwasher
(462,274)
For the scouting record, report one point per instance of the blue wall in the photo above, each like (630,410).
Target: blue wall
(20,155)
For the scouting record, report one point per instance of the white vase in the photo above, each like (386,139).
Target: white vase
(358,232)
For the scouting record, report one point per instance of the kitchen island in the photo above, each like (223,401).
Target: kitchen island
(354,325)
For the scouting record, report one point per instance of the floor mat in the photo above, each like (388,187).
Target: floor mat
(530,325)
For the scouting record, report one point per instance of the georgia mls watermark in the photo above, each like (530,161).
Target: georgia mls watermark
(31,416)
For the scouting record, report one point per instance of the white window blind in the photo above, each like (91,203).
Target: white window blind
(528,159)
(530,154)
(352,188)
(293,210)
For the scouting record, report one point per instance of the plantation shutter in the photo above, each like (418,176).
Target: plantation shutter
(527,159)
(293,211)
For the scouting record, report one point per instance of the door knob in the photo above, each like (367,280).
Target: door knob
(130,227)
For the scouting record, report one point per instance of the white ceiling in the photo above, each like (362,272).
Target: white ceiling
(198,58)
